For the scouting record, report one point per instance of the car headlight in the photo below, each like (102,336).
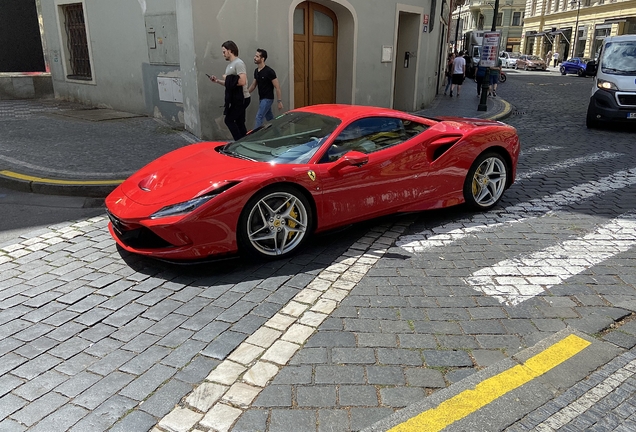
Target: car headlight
(190,205)
(182,208)
(606,85)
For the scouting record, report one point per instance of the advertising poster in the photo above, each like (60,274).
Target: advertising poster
(490,49)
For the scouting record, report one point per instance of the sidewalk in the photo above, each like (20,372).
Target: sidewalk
(57,147)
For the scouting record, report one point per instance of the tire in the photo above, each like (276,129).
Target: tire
(590,119)
(502,77)
(525,67)
(516,67)
(562,69)
(275,223)
(486,181)
(580,73)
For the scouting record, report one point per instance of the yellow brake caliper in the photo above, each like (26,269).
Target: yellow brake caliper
(293,214)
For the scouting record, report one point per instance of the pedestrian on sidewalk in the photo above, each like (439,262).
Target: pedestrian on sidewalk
(555,57)
(480,75)
(459,73)
(548,57)
(237,96)
(448,71)
(266,80)
(495,73)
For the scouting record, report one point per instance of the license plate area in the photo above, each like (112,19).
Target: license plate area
(631,115)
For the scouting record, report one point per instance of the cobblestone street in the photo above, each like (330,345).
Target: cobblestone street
(364,322)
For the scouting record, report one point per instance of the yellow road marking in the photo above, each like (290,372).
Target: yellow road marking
(469,401)
(60,182)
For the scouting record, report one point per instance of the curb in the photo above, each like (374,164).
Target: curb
(47,186)
(505,113)
(514,405)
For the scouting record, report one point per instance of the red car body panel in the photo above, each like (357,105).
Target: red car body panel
(409,176)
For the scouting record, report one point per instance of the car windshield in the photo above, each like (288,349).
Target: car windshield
(533,57)
(292,138)
(514,55)
(619,58)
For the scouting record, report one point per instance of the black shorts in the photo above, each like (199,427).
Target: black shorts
(458,79)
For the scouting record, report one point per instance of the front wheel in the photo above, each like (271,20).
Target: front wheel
(275,223)
(562,69)
(486,181)
(502,77)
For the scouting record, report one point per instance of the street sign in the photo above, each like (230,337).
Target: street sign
(490,49)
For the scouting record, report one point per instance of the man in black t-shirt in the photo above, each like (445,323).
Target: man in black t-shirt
(265,79)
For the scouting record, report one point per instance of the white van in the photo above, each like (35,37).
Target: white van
(613,97)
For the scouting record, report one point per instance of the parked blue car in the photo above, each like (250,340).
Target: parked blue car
(575,65)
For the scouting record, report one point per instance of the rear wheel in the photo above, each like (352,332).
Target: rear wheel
(580,72)
(486,181)
(502,77)
(275,223)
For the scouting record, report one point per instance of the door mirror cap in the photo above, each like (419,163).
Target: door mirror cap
(352,158)
(591,67)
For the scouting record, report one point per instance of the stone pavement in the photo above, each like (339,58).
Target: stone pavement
(58,147)
(362,324)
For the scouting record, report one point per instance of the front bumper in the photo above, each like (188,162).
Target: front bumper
(604,107)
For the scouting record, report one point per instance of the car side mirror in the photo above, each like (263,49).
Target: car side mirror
(591,68)
(352,158)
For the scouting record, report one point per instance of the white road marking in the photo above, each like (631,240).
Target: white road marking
(561,166)
(446,234)
(526,152)
(514,280)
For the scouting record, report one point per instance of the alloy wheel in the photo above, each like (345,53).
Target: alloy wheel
(277,223)
(488,181)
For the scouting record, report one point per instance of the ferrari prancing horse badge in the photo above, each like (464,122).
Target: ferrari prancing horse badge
(312,175)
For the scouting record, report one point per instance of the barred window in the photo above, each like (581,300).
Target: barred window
(76,41)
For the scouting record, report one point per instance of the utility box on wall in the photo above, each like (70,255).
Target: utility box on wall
(163,41)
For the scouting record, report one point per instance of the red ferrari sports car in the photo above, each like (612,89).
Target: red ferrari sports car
(309,170)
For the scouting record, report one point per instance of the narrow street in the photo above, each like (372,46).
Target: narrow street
(94,339)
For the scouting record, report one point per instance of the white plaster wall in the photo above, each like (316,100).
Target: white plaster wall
(366,25)
(118,45)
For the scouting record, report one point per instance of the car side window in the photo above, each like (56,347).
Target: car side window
(372,134)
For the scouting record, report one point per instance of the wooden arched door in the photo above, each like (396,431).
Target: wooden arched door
(315,41)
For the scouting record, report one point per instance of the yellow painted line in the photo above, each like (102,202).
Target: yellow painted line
(507,109)
(18,176)
(469,401)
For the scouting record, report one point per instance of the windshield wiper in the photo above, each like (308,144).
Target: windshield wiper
(233,154)
(619,71)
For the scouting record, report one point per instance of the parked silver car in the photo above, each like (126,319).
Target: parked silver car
(509,59)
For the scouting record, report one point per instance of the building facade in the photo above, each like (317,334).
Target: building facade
(152,57)
(477,15)
(549,25)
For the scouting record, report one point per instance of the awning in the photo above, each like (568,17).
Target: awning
(614,21)
(549,35)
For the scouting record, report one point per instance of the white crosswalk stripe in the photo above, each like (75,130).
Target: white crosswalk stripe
(561,166)
(448,233)
(514,280)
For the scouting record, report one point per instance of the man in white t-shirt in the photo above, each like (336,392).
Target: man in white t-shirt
(459,73)
(237,95)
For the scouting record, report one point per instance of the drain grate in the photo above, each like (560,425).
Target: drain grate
(514,113)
